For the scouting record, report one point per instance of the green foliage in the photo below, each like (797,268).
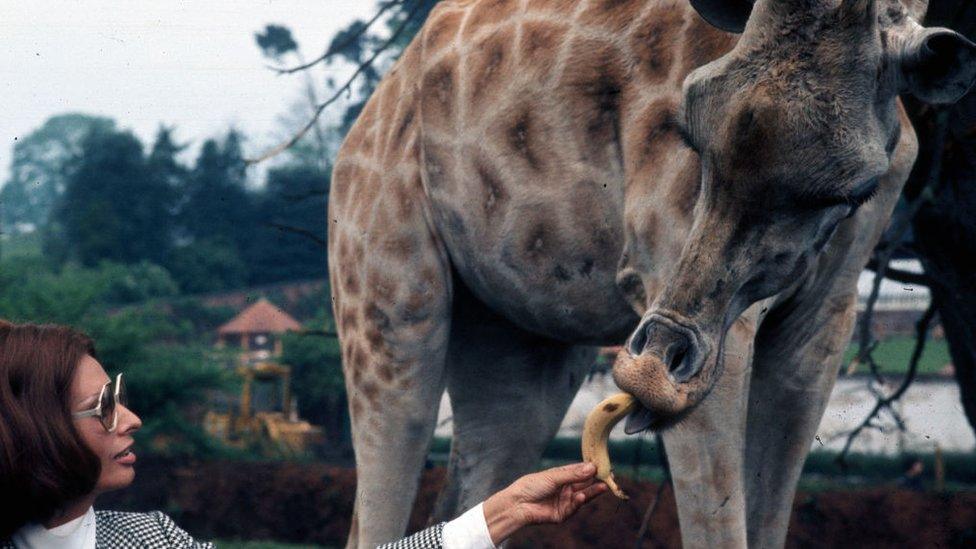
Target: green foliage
(275,41)
(42,166)
(112,208)
(208,265)
(318,382)
(292,210)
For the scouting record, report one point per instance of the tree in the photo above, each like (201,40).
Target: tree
(216,205)
(42,165)
(944,227)
(113,207)
(290,243)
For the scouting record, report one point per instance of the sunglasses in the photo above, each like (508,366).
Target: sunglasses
(107,409)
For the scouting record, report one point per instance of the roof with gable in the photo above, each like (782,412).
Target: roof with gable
(261,317)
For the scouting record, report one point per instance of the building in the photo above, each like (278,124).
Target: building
(257,330)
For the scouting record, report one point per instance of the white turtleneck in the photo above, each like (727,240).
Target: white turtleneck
(74,534)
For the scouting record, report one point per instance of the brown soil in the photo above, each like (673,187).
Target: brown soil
(312,503)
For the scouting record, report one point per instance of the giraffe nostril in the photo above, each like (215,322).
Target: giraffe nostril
(637,341)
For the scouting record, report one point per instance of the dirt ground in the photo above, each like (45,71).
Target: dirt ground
(312,503)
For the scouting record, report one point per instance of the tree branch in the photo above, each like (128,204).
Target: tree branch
(336,48)
(885,402)
(345,87)
(298,230)
(905,277)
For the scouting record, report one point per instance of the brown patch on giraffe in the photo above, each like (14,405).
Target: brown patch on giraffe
(349,320)
(656,133)
(703,44)
(406,383)
(404,202)
(489,66)
(375,340)
(371,392)
(539,43)
(553,6)
(496,195)
(381,286)
(593,87)
(686,186)
(350,283)
(614,15)
(342,179)
(437,93)
(441,29)
(401,245)
(438,165)
(489,12)
(364,199)
(419,305)
(368,116)
(385,371)
(402,127)
(654,42)
(526,136)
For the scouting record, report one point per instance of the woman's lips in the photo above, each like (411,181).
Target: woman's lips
(126,457)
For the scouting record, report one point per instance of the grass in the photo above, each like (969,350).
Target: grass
(893,354)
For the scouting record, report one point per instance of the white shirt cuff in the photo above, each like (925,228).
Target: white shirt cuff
(469,531)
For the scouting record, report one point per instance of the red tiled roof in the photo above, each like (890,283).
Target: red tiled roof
(262,317)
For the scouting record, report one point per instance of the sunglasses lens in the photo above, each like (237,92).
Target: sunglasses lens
(123,392)
(108,409)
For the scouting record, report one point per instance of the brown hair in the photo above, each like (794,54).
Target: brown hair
(44,464)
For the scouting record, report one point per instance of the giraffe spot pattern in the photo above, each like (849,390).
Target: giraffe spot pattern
(652,43)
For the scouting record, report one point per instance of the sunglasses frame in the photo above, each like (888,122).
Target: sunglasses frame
(97,410)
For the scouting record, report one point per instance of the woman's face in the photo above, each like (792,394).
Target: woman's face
(113,449)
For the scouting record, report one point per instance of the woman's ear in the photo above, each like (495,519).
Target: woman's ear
(938,65)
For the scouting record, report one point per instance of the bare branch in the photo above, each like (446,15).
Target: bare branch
(897,275)
(345,87)
(885,402)
(298,230)
(336,48)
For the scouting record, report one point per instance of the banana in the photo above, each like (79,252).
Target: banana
(596,431)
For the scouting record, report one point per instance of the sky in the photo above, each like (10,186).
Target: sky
(192,65)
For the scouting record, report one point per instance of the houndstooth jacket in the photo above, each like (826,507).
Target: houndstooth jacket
(116,530)
(431,538)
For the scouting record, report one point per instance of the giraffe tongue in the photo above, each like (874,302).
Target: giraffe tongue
(639,420)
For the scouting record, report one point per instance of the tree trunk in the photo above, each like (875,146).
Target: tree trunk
(945,227)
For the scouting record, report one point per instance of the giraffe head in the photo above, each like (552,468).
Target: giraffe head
(794,126)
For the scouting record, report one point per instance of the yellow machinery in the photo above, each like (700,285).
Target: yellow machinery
(277,428)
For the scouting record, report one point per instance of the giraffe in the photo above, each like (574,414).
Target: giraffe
(705,182)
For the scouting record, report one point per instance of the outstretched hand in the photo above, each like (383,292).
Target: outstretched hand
(549,496)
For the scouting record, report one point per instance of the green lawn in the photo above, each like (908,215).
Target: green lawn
(894,353)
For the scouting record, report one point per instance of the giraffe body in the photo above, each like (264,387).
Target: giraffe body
(518,189)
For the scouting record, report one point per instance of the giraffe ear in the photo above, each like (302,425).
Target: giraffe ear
(939,66)
(727,15)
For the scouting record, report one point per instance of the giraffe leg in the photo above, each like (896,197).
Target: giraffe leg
(705,450)
(509,392)
(797,359)
(391,295)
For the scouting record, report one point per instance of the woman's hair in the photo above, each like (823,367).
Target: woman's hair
(44,464)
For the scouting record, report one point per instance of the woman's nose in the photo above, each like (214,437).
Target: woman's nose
(129,422)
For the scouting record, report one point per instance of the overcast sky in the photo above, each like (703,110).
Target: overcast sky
(193,65)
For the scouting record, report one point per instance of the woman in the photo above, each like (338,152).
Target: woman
(66,437)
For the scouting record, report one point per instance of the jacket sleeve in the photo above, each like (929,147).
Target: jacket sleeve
(176,536)
(431,538)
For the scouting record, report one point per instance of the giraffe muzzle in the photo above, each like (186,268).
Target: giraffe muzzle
(665,365)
